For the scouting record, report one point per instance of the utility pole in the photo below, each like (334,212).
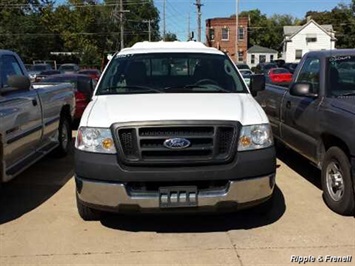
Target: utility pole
(118,15)
(188,28)
(198,5)
(122,23)
(149,28)
(236,30)
(164,20)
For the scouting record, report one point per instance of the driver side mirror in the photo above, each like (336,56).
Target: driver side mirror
(16,83)
(257,83)
(303,90)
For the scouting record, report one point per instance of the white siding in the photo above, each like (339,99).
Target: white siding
(298,42)
(256,61)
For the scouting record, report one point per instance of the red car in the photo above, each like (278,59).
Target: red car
(84,86)
(281,76)
(92,72)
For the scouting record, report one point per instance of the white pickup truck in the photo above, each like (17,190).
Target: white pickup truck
(172,126)
(33,121)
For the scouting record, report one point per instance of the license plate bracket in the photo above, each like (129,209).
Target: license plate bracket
(178,196)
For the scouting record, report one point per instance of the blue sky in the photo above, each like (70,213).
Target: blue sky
(178,11)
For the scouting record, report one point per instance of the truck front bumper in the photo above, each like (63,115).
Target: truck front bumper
(103,183)
(117,197)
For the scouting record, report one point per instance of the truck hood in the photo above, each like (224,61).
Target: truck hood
(106,110)
(346,104)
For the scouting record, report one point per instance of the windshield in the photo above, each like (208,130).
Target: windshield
(39,67)
(67,67)
(280,71)
(170,72)
(341,75)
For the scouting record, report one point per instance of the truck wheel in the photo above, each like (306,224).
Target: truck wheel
(86,213)
(64,137)
(336,182)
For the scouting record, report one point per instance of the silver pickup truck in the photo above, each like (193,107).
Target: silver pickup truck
(33,121)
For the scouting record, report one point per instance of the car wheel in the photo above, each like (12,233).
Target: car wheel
(336,182)
(86,213)
(64,137)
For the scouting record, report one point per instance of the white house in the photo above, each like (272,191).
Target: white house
(258,54)
(299,40)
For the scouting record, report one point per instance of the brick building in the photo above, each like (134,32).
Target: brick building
(221,34)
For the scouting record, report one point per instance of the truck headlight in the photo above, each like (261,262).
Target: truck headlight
(95,140)
(255,137)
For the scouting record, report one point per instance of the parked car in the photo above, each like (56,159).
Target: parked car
(93,72)
(279,76)
(246,73)
(242,66)
(34,120)
(291,67)
(28,67)
(69,68)
(36,69)
(315,116)
(142,146)
(279,62)
(44,74)
(84,86)
(263,68)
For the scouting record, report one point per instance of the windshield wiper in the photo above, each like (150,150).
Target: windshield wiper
(135,89)
(192,86)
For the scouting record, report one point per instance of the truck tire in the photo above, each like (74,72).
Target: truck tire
(64,137)
(337,183)
(86,213)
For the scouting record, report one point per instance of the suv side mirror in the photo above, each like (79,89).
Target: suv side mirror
(257,83)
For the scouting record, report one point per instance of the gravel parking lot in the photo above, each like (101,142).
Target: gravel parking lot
(39,224)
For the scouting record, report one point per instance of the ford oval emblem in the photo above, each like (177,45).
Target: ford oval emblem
(177,143)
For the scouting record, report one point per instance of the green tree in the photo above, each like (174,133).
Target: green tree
(170,37)
(343,21)
(267,31)
(21,30)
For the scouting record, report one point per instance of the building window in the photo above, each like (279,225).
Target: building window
(240,56)
(298,54)
(211,34)
(311,39)
(241,33)
(225,34)
(262,58)
(253,58)
(271,57)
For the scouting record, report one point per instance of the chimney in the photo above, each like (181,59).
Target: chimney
(309,18)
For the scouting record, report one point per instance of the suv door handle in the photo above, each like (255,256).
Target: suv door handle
(34,102)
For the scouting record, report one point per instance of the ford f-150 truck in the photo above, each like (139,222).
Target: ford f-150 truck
(172,126)
(33,121)
(315,116)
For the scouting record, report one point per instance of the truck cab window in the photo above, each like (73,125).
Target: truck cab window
(341,73)
(310,73)
(10,67)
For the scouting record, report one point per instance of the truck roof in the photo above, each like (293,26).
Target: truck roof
(169,47)
(2,51)
(333,52)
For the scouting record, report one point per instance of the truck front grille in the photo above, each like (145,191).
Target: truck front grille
(144,144)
